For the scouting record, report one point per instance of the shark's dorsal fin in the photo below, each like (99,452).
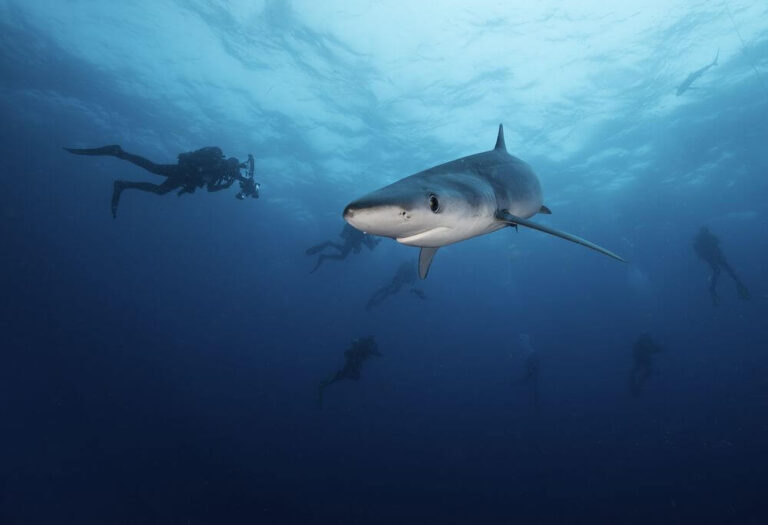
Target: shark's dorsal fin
(425,260)
(500,140)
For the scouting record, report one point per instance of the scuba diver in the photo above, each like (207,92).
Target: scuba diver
(195,169)
(355,356)
(641,370)
(353,242)
(406,274)
(531,377)
(707,247)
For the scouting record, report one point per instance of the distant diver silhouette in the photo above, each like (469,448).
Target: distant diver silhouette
(406,274)
(360,350)
(353,242)
(707,247)
(204,167)
(642,353)
(532,369)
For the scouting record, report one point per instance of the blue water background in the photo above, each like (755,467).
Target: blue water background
(162,367)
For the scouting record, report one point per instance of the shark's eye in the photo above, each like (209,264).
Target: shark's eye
(434,204)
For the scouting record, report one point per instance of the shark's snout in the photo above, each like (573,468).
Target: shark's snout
(377,216)
(353,213)
(349,211)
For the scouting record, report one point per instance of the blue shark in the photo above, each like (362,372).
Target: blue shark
(455,201)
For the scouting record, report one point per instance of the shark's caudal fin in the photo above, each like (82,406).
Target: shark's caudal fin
(425,261)
(717,55)
(510,219)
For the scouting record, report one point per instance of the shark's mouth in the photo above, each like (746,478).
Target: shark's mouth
(416,239)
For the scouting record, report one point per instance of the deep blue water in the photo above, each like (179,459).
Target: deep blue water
(162,367)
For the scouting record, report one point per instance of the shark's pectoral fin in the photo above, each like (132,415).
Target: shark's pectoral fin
(425,261)
(512,220)
(545,210)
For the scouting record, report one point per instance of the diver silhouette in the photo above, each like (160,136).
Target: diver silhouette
(195,169)
(353,242)
(532,369)
(642,354)
(360,350)
(405,275)
(707,247)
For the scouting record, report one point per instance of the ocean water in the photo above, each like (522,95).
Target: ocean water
(162,367)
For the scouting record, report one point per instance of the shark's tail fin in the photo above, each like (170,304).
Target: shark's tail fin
(717,55)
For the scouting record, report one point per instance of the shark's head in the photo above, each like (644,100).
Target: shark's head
(418,211)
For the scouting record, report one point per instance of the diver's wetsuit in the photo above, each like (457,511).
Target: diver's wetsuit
(406,274)
(707,247)
(204,167)
(354,356)
(641,370)
(353,242)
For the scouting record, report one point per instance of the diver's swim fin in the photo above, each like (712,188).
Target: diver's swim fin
(742,292)
(113,150)
(512,220)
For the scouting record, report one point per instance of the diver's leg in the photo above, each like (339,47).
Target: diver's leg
(323,385)
(317,248)
(320,395)
(167,170)
(116,151)
(390,289)
(645,373)
(713,284)
(322,246)
(741,290)
(524,380)
(158,189)
(724,264)
(379,296)
(116,192)
(375,299)
(343,250)
(323,256)
(535,391)
(634,387)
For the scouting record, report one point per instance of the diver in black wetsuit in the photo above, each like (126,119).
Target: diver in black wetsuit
(355,356)
(406,274)
(707,247)
(641,369)
(353,242)
(531,377)
(204,167)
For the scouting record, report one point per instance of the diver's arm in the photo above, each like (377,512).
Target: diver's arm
(247,165)
(213,187)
